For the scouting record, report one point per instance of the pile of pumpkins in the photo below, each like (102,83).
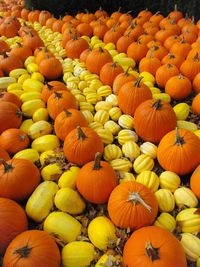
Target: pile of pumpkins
(99,139)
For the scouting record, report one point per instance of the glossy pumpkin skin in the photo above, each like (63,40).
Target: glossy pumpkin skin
(10,116)
(13,221)
(96,180)
(194,181)
(153,119)
(153,247)
(131,95)
(10,97)
(32,248)
(18,179)
(132,205)
(14,140)
(59,101)
(67,121)
(176,148)
(51,68)
(81,145)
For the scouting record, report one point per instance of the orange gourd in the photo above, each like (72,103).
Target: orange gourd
(51,87)
(121,79)
(51,68)
(194,181)
(164,73)
(196,104)
(10,97)
(109,72)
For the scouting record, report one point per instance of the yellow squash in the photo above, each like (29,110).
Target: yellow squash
(69,200)
(112,126)
(101,116)
(26,124)
(105,135)
(101,232)
(149,149)
(14,86)
(185,197)
(32,85)
(50,156)
(131,150)
(143,163)
(166,201)
(16,73)
(162,96)
(182,111)
(39,128)
(29,153)
(41,114)
(109,260)
(126,135)
(68,178)
(62,226)
(115,112)
(166,221)
(46,142)
(111,152)
(169,180)
(40,203)
(51,172)
(77,254)
(126,121)
(26,96)
(122,164)
(149,179)
(30,106)
(187,125)
(103,105)
(189,220)
(191,246)
(125,176)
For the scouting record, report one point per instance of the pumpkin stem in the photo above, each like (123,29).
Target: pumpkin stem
(23,252)
(175,7)
(101,49)
(180,76)
(138,81)
(7,167)
(126,73)
(196,57)
(97,161)
(18,113)
(67,113)
(22,137)
(171,55)
(151,252)
(58,95)
(135,198)
(179,139)
(157,104)
(81,134)
(50,86)
(114,65)
(4,54)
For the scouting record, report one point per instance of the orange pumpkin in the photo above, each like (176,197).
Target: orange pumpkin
(4,46)
(121,79)
(32,248)
(44,16)
(196,83)
(96,180)
(131,95)
(149,63)
(137,51)
(4,154)
(10,116)
(153,119)
(59,101)
(10,97)
(18,178)
(10,62)
(174,150)
(51,87)
(132,205)
(14,140)
(96,59)
(194,181)
(81,145)
(51,68)
(8,29)
(75,47)
(68,120)
(109,72)
(84,29)
(13,221)
(153,247)
(22,52)
(191,67)
(164,73)
(174,59)
(196,104)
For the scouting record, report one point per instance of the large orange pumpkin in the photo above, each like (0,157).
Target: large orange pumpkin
(10,116)
(18,178)
(81,145)
(13,221)
(132,205)
(178,151)
(194,181)
(153,246)
(153,119)
(131,95)
(96,180)
(32,248)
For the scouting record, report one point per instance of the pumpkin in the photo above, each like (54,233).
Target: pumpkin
(59,101)
(32,247)
(132,94)
(4,46)
(121,79)
(32,40)
(196,83)
(78,253)
(68,120)
(51,68)
(96,180)
(8,29)
(109,72)
(194,181)
(9,63)
(13,221)
(14,140)
(10,97)
(112,35)
(174,59)
(96,59)
(4,154)
(174,150)
(153,119)
(149,63)
(137,50)
(43,17)
(42,53)
(195,104)
(153,246)
(19,178)
(181,48)
(81,145)
(191,67)
(132,205)
(75,47)
(164,73)
(21,51)
(51,87)
(33,15)
(10,116)
(123,42)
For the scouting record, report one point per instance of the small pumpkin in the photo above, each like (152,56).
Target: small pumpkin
(132,205)
(51,68)
(13,221)
(81,145)
(109,72)
(97,175)
(32,247)
(171,155)
(10,97)
(153,244)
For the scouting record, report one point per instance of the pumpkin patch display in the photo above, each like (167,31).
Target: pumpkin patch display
(104,107)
